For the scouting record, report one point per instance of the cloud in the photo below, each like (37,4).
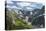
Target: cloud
(21,5)
(37,5)
(9,2)
(13,7)
(8,6)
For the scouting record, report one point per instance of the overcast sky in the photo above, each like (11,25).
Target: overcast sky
(11,4)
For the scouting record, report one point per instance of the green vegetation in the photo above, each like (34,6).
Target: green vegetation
(22,25)
(17,24)
(13,22)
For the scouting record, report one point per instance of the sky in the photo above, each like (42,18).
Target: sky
(23,5)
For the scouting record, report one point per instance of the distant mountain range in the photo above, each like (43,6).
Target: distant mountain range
(24,5)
